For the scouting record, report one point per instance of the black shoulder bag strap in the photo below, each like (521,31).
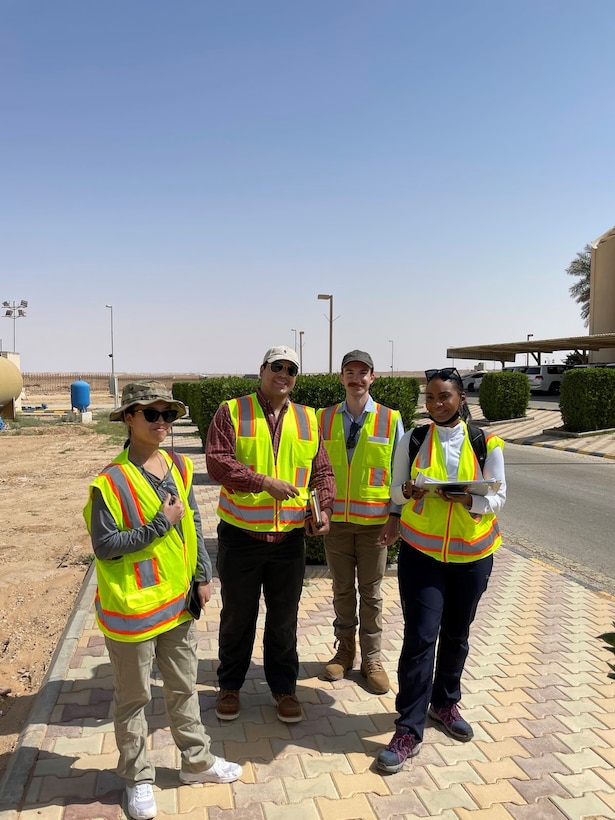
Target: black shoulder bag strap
(477,440)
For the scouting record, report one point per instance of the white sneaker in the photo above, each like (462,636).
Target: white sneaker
(223,771)
(141,803)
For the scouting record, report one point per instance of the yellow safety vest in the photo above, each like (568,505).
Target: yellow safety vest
(445,531)
(298,446)
(362,488)
(143,593)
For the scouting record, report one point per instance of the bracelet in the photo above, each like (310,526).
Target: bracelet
(404,490)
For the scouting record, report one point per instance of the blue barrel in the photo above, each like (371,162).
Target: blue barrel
(80,396)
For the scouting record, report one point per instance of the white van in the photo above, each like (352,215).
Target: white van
(545,378)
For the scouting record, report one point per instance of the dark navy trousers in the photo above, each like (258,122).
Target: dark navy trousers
(246,566)
(439,602)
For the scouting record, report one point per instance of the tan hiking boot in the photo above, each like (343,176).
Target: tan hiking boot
(342,661)
(375,676)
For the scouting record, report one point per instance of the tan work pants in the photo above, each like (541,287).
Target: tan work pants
(355,558)
(175,655)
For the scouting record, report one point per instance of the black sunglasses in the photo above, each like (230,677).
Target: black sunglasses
(151,414)
(291,369)
(355,429)
(444,373)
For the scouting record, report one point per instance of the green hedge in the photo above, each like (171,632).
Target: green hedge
(504,395)
(315,550)
(587,399)
(205,396)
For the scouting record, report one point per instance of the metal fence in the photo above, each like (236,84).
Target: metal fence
(50,383)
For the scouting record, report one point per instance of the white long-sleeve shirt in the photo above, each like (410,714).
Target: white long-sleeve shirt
(451,439)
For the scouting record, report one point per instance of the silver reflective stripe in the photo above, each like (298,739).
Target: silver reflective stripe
(246,513)
(339,507)
(377,477)
(375,509)
(383,427)
(302,476)
(145,573)
(457,546)
(132,514)
(137,624)
(246,420)
(303,422)
(327,420)
(291,516)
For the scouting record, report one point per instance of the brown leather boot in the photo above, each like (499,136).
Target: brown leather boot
(376,678)
(342,661)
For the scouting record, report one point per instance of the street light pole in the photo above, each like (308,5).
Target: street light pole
(112,357)
(329,296)
(391,341)
(15,311)
(301,332)
(527,355)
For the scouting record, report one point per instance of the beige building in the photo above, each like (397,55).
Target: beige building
(602,292)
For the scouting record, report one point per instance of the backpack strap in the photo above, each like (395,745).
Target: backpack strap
(479,444)
(418,436)
(477,440)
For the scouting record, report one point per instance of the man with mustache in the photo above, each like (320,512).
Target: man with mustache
(360,436)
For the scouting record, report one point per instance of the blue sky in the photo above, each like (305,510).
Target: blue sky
(209,167)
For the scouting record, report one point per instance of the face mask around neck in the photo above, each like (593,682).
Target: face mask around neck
(446,423)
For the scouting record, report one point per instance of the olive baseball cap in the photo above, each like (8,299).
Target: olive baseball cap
(358,356)
(144,393)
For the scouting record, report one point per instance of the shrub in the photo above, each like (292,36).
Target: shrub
(609,639)
(587,399)
(315,550)
(504,395)
(205,396)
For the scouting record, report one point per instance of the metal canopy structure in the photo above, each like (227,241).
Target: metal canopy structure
(507,351)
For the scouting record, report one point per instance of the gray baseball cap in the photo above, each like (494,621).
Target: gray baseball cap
(358,356)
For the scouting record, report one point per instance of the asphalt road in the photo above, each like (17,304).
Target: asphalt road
(560,509)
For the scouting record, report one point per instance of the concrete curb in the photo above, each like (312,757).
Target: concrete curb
(15,778)
(548,445)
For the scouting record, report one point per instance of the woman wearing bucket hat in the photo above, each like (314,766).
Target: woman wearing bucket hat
(146,534)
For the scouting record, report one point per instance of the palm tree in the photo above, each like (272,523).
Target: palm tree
(580,267)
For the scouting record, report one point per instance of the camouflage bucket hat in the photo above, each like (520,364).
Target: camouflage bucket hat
(144,393)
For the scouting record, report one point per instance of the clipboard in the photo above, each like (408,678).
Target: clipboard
(485,486)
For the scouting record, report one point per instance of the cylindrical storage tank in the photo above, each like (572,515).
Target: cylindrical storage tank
(80,396)
(11,381)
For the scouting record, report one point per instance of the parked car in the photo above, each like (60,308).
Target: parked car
(545,378)
(595,364)
(517,368)
(471,381)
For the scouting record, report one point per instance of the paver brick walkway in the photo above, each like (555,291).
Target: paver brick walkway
(535,689)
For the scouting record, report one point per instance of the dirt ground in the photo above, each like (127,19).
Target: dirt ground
(44,553)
